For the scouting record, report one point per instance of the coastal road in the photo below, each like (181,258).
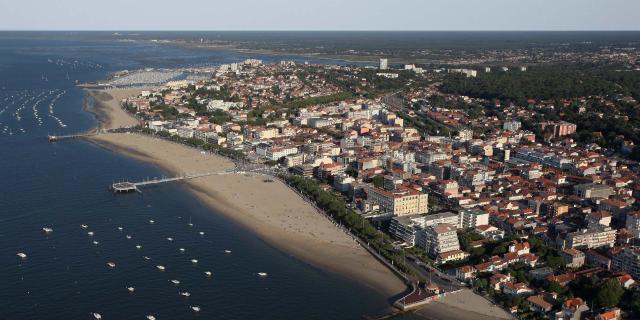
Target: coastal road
(445,282)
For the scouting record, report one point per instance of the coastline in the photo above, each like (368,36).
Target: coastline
(274,213)
(269,209)
(106,107)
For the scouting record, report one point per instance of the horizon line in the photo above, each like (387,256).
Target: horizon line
(317,30)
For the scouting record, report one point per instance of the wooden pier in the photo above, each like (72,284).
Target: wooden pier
(126,186)
(54,138)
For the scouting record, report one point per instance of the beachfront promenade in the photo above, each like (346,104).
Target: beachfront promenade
(409,300)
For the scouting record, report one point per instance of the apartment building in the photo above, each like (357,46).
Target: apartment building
(406,227)
(439,239)
(399,202)
(598,236)
(628,261)
(471,218)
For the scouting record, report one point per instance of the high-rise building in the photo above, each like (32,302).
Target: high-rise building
(628,261)
(439,239)
(384,64)
(594,237)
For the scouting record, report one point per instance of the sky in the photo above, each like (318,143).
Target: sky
(428,15)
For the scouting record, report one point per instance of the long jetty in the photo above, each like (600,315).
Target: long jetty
(127,186)
(54,138)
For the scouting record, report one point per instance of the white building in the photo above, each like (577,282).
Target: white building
(407,227)
(511,125)
(471,218)
(439,239)
(384,64)
(274,152)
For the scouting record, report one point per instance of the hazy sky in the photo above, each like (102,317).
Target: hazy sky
(320,15)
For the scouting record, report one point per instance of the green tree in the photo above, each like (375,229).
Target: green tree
(609,293)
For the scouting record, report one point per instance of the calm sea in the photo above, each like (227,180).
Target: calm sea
(64,185)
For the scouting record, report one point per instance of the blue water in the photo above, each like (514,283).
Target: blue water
(64,185)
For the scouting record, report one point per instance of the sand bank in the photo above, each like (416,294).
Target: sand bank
(107,107)
(270,209)
(463,305)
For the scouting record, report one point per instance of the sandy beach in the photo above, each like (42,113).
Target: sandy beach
(107,109)
(270,209)
(462,305)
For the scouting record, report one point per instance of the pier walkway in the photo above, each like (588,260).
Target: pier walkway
(54,138)
(126,186)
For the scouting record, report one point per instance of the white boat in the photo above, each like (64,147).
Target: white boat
(128,236)
(227,251)
(22,255)
(195,308)
(262,274)
(185,294)
(150,317)
(202,233)
(120,228)
(131,289)
(95,242)
(194,261)
(138,247)
(169,238)
(96,315)
(90,233)
(146,258)
(207,273)
(174,281)
(181,249)
(84,226)
(47,230)
(190,224)
(111,264)
(151,222)
(161,268)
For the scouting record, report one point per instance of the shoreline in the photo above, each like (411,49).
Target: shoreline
(275,213)
(297,230)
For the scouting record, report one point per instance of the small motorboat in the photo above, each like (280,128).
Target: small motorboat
(175,281)
(201,233)
(151,222)
(111,264)
(22,255)
(207,273)
(195,308)
(84,226)
(90,233)
(194,261)
(128,237)
(169,238)
(150,317)
(181,249)
(146,258)
(161,268)
(95,242)
(120,228)
(185,294)
(227,251)
(47,230)
(131,289)
(96,315)
(138,247)
(262,274)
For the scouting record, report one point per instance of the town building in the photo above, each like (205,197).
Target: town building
(399,202)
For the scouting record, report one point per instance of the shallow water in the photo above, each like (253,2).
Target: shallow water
(65,184)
